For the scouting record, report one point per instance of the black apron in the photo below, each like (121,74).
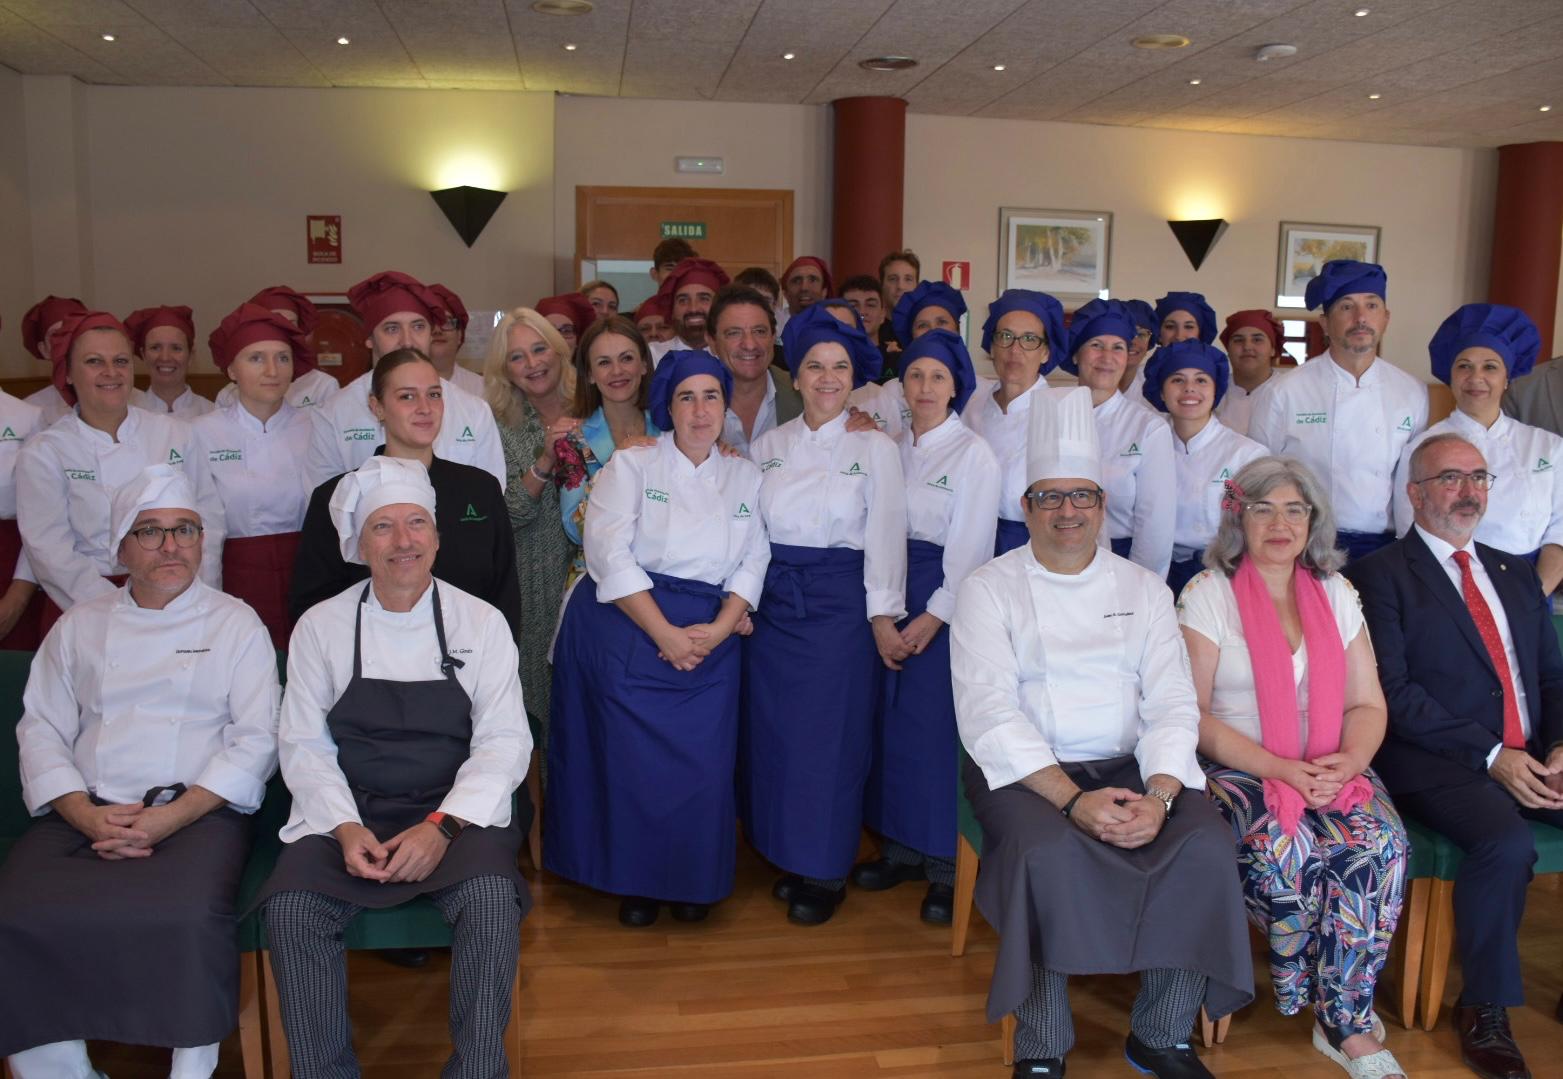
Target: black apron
(399,745)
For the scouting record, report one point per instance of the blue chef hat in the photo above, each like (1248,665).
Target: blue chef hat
(1178,355)
(1341,277)
(1144,315)
(1040,304)
(1092,320)
(815,324)
(673,369)
(926,294)
(1508,331)
(950,350)
(1192,302)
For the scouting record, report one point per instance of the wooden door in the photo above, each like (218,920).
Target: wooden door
(742,227)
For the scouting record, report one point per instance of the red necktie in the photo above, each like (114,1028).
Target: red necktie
(1481,614)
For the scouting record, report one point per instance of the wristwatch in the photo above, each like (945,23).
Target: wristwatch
(448,825)
(1164,797)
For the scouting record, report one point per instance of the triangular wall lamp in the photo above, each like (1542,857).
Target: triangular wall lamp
(1198,237)
(468,209)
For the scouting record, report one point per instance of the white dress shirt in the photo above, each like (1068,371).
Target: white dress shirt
(660,349)
(401,646)
(256,469)
(1005,433)
(66,477)
(1349,432)
(952,499)
(885,404)
(346,433)
(187,406)
(1053,668)
(19,421)
(1203,465)
(653,511)
(1209,607)
(1140,480)
(764,420)
(310,390)
(123,698)
(1444,553)
(1525,505)
(49,401)
(1236,409)
(835,488)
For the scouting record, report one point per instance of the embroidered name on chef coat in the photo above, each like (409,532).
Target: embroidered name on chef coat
(774,462)
(1317,417)
(360,434)
(214,456)
(654,495)
(81,474)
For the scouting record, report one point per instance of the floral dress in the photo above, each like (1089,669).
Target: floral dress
(581,455)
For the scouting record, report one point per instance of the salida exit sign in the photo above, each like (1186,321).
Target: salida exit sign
(683,230)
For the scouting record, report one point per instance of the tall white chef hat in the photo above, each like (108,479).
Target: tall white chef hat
(1061,440)
(158,487)
(379,482)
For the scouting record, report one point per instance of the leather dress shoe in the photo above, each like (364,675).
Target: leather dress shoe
(1486,1043)
(410,958)
(939,906)
(637,912)
(882,873)
(813,905)
(1175,1062)
(784,885)
(689,912)
(1051,1068)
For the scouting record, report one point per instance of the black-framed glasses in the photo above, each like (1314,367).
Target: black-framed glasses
(150,537)
(1081,498)
(1452,478)
(1028,341)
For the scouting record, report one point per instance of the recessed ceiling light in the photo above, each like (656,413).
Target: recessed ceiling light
(1374,97)
(1160,41)
(998,67)
(887,63)
(1361,12)
(569,48)
(1545,108)
(1195,82)
(789,56)
(108,37)
(344,41)
(562,7)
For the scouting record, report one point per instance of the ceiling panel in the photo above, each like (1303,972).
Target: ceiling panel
(680,48)
(597,64)
(818,33)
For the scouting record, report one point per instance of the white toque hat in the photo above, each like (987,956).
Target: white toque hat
(379,482)
(158,487)
(1061,440)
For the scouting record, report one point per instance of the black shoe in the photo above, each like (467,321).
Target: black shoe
(878,875)
(637,912)
(784,887)
(939,906)
(1486,1042)
(1175,1062)
(1051,1068)
(813,905)
(411,958)
(689,912)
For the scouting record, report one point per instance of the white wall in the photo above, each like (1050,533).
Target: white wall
(1434,205)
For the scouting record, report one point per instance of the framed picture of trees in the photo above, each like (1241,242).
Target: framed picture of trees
(1062,252)
(1305,248)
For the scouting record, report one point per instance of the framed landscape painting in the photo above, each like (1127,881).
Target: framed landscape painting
(1305,248)
(1062,252)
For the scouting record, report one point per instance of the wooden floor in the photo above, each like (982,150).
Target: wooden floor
(873,993)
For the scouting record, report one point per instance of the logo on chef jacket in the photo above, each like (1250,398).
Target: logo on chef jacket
(174,458)
(214,456)
(360,434)
(472,514)
(1226,474)
(1542,465)
(466,434)
(1405,424)
(774,462)
(743,513)
(81,474)
(855,470)
(941,484)
(654,495)
(1132,451)
(9,435)
(306,401)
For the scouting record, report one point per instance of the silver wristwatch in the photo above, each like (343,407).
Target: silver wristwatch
(1164,797)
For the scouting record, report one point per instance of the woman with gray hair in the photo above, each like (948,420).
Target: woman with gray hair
(1291,714)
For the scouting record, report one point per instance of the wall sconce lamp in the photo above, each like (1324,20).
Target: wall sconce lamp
(468,209)
(1198,237)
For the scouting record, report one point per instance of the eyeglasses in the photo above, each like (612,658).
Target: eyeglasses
(1451,479)
(1028,341)
(151,536)
(1295,513)
(1082,498)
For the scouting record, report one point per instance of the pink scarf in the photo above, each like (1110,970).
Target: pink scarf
(1276,688)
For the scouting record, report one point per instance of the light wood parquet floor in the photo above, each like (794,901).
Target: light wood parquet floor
(874,993)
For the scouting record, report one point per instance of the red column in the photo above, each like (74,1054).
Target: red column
(1527,233)
(870,167)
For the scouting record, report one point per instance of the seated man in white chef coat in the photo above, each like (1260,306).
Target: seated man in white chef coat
(1074,700)
(403,740)
(148,733)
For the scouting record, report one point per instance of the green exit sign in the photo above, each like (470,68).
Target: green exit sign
(683,230)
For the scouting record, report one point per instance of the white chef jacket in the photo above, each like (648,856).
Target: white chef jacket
(401,646)
(65,483)
(1349,433)
(1005,434)
(660,349)
(1140,480)
(123,698)
(1136,391)
(187,406)
(1051,668)
(838,488)
(1203,465)
(885,404)
(346,433)
(310,390)
(19,421)
(952,499)
(256,469)
(467,379)
(653,511)
(1236,410)
(51,403)
(764,420)
(1525,505)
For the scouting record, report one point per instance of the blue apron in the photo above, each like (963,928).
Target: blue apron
(1121,546)
(806,729)
(911,785)
(1011,534)
(1360,544)
(1182,572)
(640,756)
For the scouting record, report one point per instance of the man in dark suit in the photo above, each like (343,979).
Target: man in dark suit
(1537,398)
(1474,681)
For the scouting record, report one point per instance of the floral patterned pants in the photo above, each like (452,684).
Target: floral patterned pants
(1327,898)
